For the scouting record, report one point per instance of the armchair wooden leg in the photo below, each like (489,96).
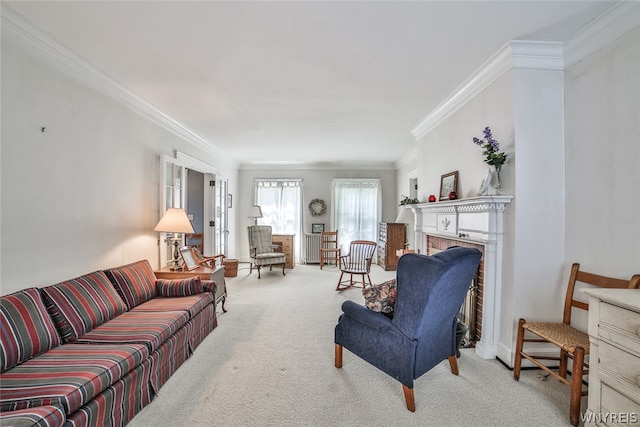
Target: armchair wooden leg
(453,363)
(576,386)
(338,357)
(283,266)
(519,344)
(408,397)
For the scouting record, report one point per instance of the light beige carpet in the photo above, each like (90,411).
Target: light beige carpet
(270,362)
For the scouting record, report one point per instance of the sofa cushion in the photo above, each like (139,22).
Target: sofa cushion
(192,304)
(27,328)
(135,282)
(382,297)
(79,305)
(69,375)
(179,287)
(42,416)
(150,328)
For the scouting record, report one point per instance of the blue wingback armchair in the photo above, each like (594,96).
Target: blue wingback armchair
(422,332)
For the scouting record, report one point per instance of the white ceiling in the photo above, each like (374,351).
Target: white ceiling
(300,81)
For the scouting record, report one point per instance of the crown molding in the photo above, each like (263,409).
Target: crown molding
(522,54)
(534,55)
(516,54)
(489,72)
(620,19)
(292,165)
(67,61)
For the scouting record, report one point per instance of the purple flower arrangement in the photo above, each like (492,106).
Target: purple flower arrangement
(491,147)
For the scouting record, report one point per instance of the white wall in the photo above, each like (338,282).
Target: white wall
(603,159)
(316,185)
(84,194)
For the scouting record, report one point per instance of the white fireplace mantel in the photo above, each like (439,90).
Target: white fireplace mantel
(477,220)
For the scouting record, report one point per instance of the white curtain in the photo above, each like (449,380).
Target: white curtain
(356,209)
(281,203)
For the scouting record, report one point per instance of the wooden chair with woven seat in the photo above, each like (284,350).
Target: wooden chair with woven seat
(358,262)
(573,343)
(329,248)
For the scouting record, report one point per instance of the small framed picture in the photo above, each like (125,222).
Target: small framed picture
(229,200)
(448,184)
(317,228)
(187,257)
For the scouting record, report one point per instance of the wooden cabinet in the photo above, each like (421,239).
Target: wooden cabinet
(391,237)
(614,360)
(287,241)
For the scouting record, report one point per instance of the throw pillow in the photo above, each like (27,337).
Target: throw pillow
(381,298)
(179,287)
(135,282)
(79,305)
(27,329)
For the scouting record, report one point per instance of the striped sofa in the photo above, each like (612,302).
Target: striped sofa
(94,350)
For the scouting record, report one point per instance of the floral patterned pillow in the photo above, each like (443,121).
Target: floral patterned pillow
(381,298)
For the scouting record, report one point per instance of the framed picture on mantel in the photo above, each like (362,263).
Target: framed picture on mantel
(448,184)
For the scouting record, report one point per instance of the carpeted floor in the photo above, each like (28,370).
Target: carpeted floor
(270,362)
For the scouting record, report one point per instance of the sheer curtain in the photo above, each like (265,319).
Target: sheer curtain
(356,209)
(281,204)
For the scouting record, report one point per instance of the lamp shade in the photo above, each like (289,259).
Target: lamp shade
(174,220)
(255,212)
(405,216)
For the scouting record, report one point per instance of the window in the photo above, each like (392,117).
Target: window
(356,209)
(281,203)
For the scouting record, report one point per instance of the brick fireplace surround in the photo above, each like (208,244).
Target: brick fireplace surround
(473,222)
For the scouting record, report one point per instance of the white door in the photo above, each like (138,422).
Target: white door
(224,202)
(172,196)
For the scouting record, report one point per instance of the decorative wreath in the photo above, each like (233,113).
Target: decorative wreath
(312,207)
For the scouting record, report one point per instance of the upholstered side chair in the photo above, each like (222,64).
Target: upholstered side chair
(261,249)
(422,331)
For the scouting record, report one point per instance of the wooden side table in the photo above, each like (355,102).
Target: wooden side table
(287,243)
(205,273)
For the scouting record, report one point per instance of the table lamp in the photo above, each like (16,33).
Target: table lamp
(175,221)
(255,212)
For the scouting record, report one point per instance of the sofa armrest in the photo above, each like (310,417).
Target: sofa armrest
(365,316)
(210,286)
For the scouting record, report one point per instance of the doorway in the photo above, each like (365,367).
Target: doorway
(192,185)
